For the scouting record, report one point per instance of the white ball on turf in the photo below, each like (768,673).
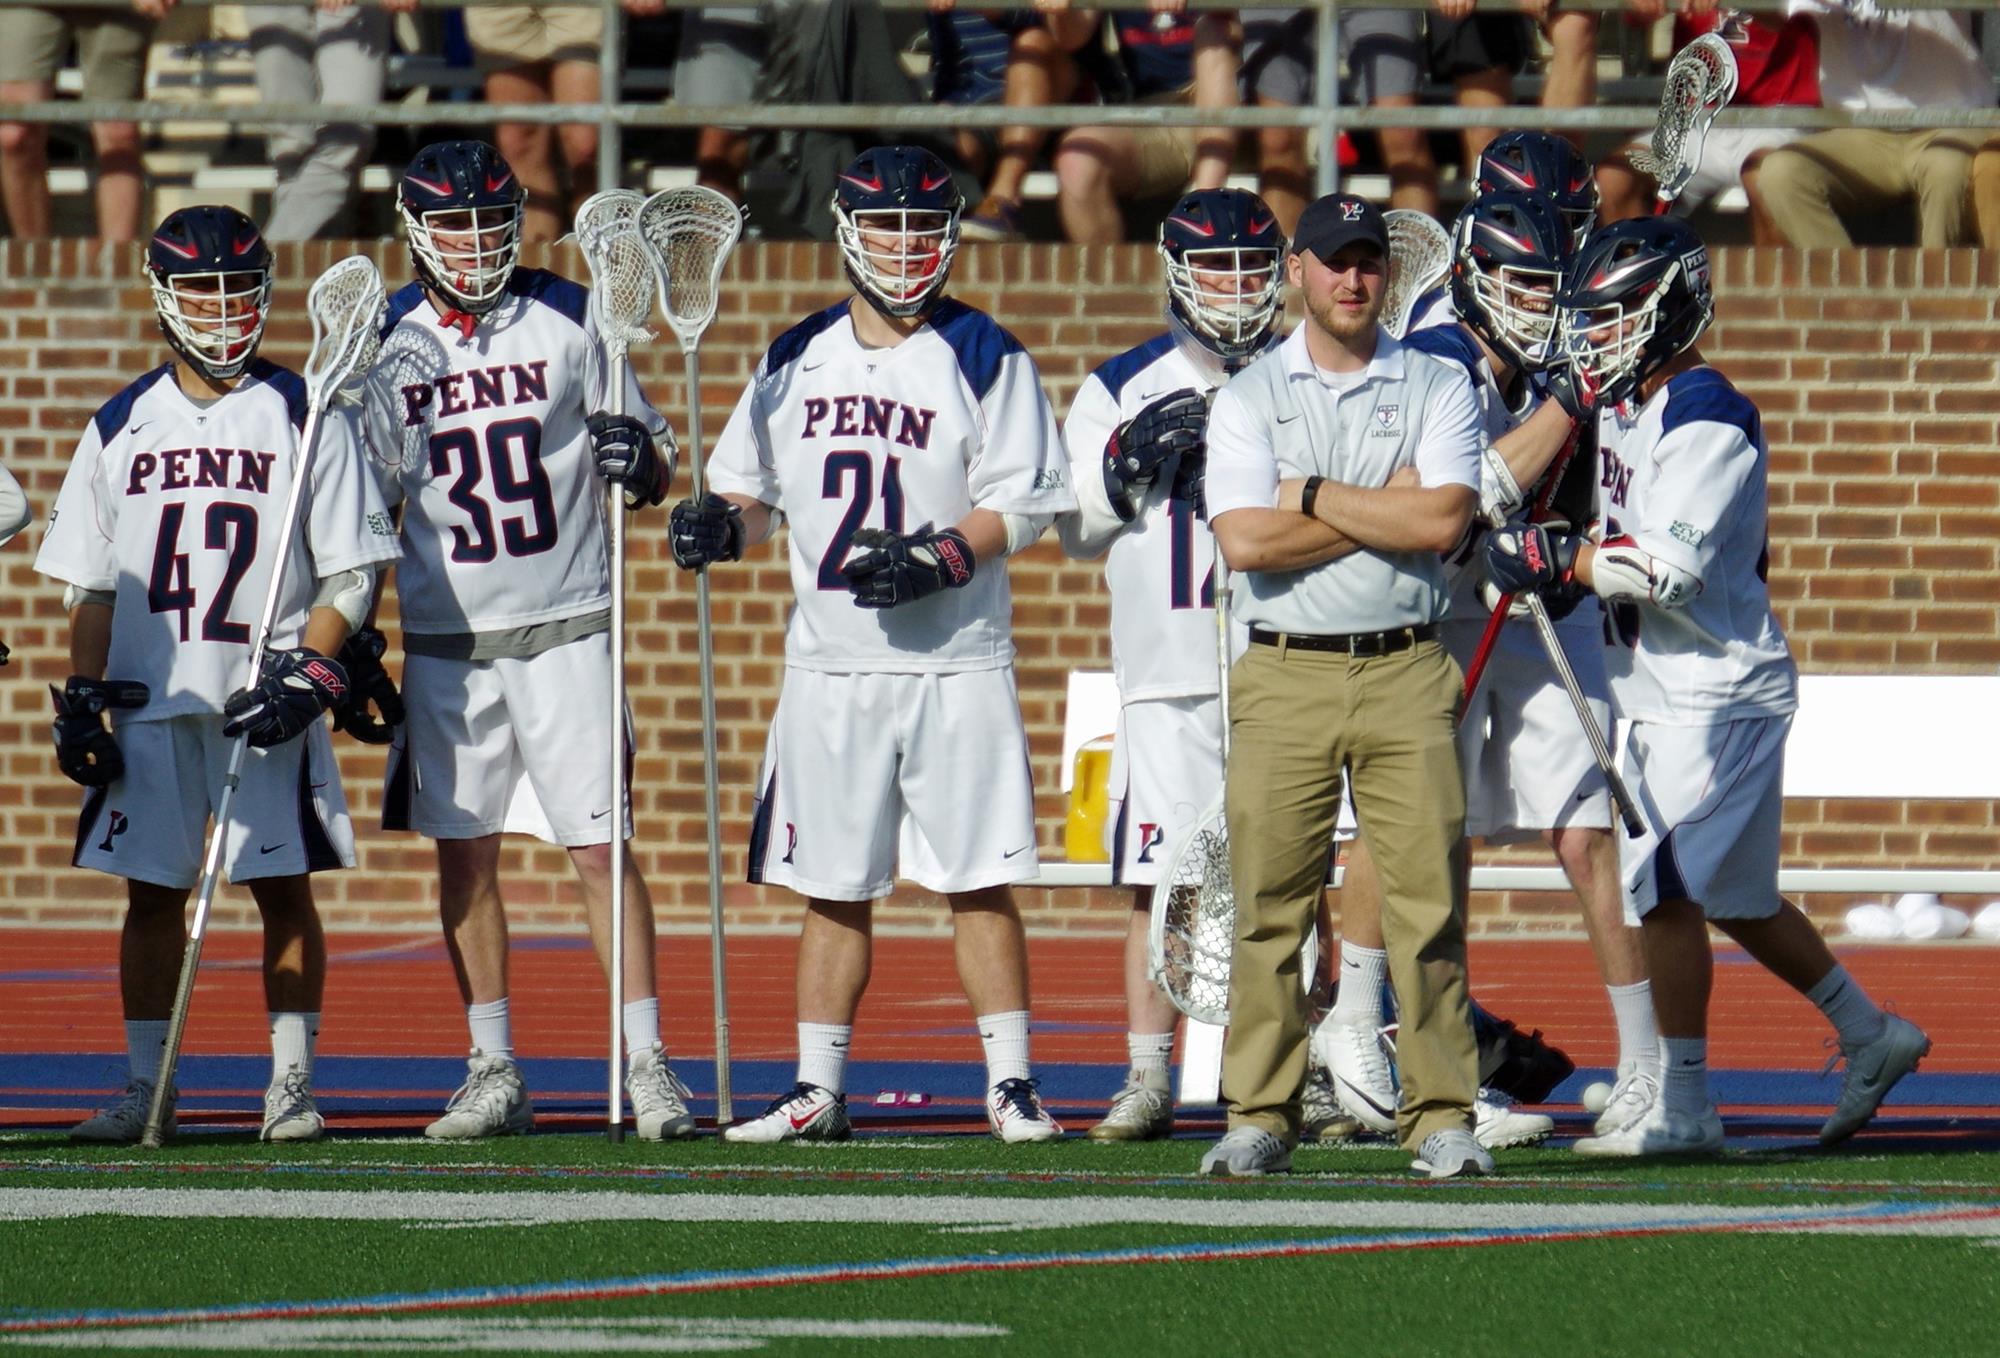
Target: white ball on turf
(1596,1097)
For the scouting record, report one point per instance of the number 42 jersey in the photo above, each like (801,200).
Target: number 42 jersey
(177,510)
(840,437)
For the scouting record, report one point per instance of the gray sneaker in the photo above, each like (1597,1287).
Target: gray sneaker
(123,1122)
(491,1102)
(1141,1111)
(659,1099)
(290,1113)
(1452,1154)
(1873,1068)
(1247,1152)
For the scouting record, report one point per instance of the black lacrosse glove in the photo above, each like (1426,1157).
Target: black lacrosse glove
(888,568)
(1562,384)
(298,687)
(367,683)
(705,531)
(627,454)
(1173,426)
(85,751)
(1560,596)
(1527,556)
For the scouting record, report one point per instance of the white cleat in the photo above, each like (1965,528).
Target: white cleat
(1353,1056)
(1141,1111)
(123,1122)
(1873,1068)
(290,1114)
(1498,1124)
(1659,1131)
(1638,1088)
(491,1102)
(659,1099)
(1247,1153)
(1452,1154)
(808,1113)
(1014,1112)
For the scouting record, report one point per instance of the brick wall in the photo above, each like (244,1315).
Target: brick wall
(1875,370)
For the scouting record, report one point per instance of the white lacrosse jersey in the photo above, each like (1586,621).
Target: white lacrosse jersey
(840,437)
(1430,311)
(1685,477)
(177,509)
(1161,566)
(482,441)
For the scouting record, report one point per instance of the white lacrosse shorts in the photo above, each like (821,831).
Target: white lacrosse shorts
(1713,800)
(288,816)
(519,745)
(1528,765)
(1166,768)
(868,777)
(1723,152)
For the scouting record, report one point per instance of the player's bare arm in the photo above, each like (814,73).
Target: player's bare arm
(89,639)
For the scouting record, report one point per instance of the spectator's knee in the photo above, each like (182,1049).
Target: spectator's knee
(1081,167)
(1787,176)
(23,140)
(1281,147)
(115,139)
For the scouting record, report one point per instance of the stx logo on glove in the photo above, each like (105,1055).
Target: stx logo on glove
(489,389)
(952,557)
(327,677)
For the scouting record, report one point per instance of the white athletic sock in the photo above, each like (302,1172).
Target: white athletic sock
(293,1036)
(823,1054)
(1360,999)
(144,1040)
(642,1025)
(1151,1052)
(1005,1037)
(1684,1082)
(492,1030)
(1638,1029)
(1847,1007)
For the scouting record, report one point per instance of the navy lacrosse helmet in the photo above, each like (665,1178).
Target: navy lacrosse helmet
(1508,253)
(462,206)
(211,276)
(1541,162)
(1636,294)
(895,215)
(1223,251)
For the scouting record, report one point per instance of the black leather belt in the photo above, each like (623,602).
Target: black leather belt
(1362,644)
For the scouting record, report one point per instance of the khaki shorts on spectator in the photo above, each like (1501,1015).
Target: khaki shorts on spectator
(1165,155)
(111,48)
(528,35)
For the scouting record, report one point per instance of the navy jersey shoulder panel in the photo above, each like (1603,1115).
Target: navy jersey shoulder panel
(287,384)
(401,303)
(1703,395)
(1450,343)
(1114,373)
(551,290)
(979,342)
(114,411)
(786,348)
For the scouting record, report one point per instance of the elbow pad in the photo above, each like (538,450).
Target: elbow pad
(1499,492)
(1024,530)
(74,595)
(1622,572)
(348,593)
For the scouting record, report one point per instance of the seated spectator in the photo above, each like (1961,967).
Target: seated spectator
(329,53)
(111,49)
(1570,80)
(1478,55)
(1874,58)
(1167,57)
(720,53)
(1777,65)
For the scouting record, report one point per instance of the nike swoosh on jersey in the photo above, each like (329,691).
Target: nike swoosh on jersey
(1011,852)
(270,848)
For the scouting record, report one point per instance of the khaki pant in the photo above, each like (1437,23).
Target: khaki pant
(1297,719)
(1810,185)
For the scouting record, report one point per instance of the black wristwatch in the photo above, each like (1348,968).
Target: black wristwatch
(1313,483)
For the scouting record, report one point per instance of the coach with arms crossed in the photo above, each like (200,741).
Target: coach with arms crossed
(1339,466)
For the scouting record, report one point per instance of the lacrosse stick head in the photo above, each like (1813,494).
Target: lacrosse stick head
(1419,259)
(346,305)
(621,269)
(1541,162)
(1701,80)
(1508,253)
(1191,935)
(895,216)
(1637,295)
(1224,256)
(210,272)
(689,233)
(462,210)
(411,359)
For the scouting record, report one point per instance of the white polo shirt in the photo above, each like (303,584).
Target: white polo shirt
(1283,417)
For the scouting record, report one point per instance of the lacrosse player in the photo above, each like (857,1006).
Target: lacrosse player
(166,532)
(1699,671)
(14,516)
(485,413)
(905,440)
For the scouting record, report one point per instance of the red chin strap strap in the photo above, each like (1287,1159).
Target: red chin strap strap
(464,320)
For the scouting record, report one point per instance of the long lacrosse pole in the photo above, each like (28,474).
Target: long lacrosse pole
(614,527)
(710,765)
(211,866)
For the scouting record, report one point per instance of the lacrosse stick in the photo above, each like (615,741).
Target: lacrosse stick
(346,306)
(690,233)
(621,294)
(1491,636)
(1701,80)
(1419,257)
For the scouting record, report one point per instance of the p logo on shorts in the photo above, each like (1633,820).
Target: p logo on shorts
(1151,836)
(116,827)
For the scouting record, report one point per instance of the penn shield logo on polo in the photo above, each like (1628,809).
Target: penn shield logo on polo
(1386,416)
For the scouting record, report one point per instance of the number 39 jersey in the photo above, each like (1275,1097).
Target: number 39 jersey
(177,510)
(482,440)
(839,437)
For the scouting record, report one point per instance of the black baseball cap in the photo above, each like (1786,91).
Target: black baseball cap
(1336,221)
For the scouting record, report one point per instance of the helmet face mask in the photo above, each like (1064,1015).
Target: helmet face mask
(462,209)
(896,217)
(1638,295)
(210,274)
(1509,251)
(1224,258)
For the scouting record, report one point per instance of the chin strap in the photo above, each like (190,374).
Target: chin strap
(464,320)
